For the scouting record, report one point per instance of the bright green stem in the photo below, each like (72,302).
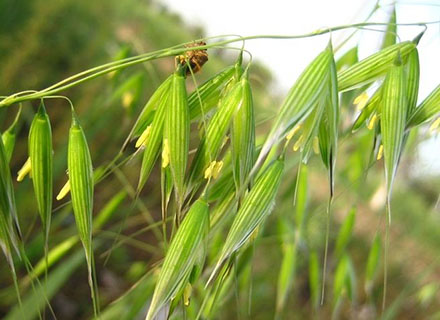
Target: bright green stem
(172,51)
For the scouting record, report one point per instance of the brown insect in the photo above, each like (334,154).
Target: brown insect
(196,58)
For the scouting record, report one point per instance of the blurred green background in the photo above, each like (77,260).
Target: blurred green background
(42,42)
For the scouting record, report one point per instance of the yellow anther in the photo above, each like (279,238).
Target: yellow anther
(372,122)
(209,172)
(298,143)
(361,101)
(187,294)
(217,169)
(24,171)
(380,152)
(315,145)
(144,137)
(64,190)
(127,99)
(165,153)
(435,125)
(293,132)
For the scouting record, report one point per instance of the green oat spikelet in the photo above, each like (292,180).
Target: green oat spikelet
(81,189)
(181,256)
(176,131)
(41,155)
(256,206)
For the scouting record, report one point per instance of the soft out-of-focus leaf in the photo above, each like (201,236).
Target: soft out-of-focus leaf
(372,264)
(345,232)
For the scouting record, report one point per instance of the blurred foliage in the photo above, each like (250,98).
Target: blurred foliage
(43,41)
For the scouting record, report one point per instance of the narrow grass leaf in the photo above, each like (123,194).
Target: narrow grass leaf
(176,131)
(286,274)
(345,232)
(314,279)
(372,264)
(181,256)
(41,155)
(256,206)
(389,38)
(81,188)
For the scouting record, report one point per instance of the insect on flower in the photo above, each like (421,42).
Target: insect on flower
(196,58)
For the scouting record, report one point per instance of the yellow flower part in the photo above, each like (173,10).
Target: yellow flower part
(209,172)
(127,99)
(24,171)
(298,143)
(142,141)
(293,132)
(361,101)
(64,190)
(380,152)
(435,125)
(187,294)
(316,145)
(217,168)
(165,153)
(372,122)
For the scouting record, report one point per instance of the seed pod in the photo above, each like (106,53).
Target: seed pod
(40,153)
(374,66)
(257,205)
(243,135)
(176,131)
(393,119)
(81,188)
(181,256)
(209,93)
(428,109)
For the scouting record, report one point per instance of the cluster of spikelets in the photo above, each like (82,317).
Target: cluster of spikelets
(228,171)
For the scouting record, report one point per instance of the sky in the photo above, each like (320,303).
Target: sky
(287,58)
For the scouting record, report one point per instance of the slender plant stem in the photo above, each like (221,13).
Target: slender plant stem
(98,71)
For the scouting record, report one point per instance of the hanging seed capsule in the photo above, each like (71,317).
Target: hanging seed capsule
(40,153)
